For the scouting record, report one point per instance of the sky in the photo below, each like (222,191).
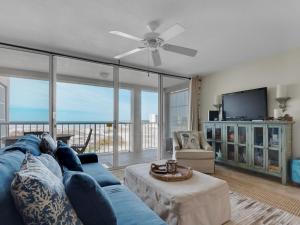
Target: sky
(29,101)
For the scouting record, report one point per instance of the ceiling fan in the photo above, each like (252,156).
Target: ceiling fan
(154,41)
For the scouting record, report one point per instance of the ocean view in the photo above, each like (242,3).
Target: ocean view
(89,107)
(42,115)
(29,101)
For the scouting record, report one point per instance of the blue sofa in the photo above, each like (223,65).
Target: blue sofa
(121,198)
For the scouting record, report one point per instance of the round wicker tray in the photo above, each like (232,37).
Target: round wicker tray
(182,173)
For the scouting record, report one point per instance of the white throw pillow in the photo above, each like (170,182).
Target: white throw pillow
(190,140)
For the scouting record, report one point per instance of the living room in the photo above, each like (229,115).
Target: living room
(184,112)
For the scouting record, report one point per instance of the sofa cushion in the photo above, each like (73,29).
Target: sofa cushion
(90,202)
(130,210)
(68,157)
(28,143)
(48,145)
(100,174)
(40,196)
(10,163)
(51,164)
(194,154)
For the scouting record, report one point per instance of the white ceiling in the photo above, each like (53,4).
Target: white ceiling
(225,33)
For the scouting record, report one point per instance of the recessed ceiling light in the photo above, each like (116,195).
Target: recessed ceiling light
(104,74)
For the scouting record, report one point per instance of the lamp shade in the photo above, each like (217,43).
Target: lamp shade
(218,100)
(281,91)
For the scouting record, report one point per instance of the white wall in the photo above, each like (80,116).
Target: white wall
(278,69)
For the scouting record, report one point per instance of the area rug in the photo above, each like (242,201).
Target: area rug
(252,188)
(248,211)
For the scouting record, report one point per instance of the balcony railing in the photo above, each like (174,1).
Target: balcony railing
(102,136)
(149,135)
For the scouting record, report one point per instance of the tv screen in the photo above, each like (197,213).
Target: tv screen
(245,105)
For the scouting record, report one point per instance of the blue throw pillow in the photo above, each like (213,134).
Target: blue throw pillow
(91,203)
(28,143)
(68,157)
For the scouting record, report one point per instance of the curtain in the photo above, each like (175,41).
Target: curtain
(194,103)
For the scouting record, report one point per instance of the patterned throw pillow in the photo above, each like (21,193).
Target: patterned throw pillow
(40,196)
(51,164)
(190,140)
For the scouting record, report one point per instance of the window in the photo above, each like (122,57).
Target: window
(179,110)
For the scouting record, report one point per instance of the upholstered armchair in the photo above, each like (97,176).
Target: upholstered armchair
(200,159)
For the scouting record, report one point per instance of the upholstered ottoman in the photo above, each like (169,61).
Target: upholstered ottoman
(201,200)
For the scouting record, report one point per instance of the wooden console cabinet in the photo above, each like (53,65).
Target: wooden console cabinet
(264,147)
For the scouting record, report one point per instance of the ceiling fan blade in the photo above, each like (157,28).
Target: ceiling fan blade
(122,34)
(180,50)
(172,32)
(130,52)
(156,57)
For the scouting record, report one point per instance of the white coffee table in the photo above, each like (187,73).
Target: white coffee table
(201,200)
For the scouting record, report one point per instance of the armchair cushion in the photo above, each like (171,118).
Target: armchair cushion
(203,144)
(194,154)
(189,140)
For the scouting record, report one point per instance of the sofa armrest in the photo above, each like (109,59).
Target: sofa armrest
(88,158)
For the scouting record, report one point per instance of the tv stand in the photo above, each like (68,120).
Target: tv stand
(260,146)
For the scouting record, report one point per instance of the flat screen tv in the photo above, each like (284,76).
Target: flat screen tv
(245,105)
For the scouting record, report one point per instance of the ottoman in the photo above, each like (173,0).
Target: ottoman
(200,200)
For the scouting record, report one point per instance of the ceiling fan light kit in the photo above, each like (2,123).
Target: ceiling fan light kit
(153,41)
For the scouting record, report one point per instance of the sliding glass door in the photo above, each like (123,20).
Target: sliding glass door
(138,113)
(85,107)
(24,94)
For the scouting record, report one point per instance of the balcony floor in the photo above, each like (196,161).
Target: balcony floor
(130,158)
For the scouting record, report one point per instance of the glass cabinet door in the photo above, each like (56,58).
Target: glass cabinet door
(274,149)
(273,137)
(258,137)
(258,157)
(218,134)
(242,154)
(209,133)
(242,145)
(258,149)
(242,138)
(219,149)
(230,152)
(230,134)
